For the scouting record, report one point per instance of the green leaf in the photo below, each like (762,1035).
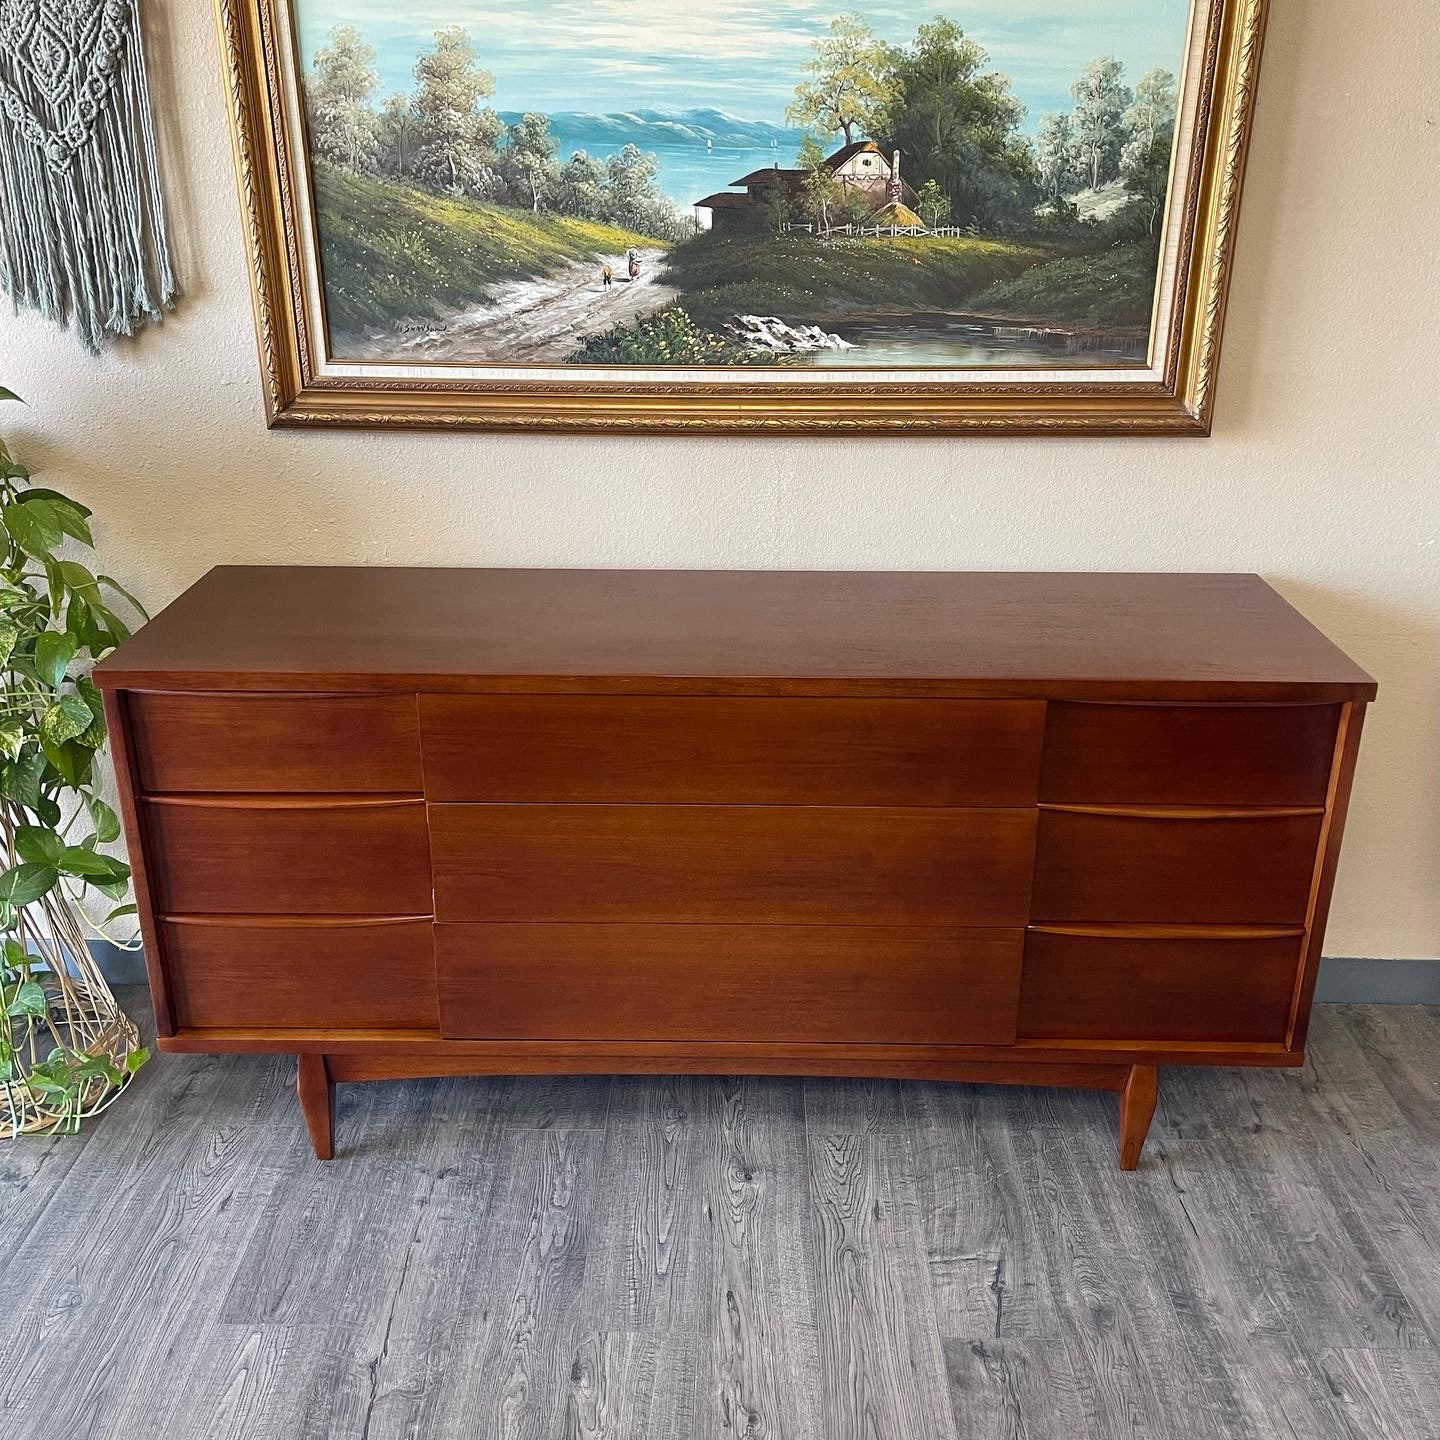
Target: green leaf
(21,884)
(72,761)
(87,865)
(40,492)
(9,634)
(119,589)
(54,650)
(104,819)
(93,735)
(82,582)
(20,780)
(72,519)
(29,999)
(114,890)
(136,1058)
(39,844)
(12,737)
(15,953)
(33,525)
(9,395)
(68,717)
(48,811)
(119,910)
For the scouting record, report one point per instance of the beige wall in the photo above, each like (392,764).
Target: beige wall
(1322,473)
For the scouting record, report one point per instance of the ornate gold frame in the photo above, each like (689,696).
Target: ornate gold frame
(1180,404)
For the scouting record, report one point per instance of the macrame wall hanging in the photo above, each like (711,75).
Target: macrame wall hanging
(82,220)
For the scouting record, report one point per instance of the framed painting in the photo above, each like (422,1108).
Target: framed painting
(653,216)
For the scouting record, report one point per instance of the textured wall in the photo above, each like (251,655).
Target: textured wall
(1322,474)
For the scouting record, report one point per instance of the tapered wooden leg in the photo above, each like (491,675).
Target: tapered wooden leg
(317,1103)
(1137,1105)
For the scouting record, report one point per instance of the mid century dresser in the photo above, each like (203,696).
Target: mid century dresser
(1051,829)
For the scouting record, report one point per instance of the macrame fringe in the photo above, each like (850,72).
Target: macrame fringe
(82,232)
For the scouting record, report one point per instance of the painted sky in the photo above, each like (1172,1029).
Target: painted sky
(742,56)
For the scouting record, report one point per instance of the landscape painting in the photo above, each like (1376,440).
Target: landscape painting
(981,185)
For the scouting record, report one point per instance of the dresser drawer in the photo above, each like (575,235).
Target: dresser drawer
(731,751)
(728,982)
(1178,987)
(740,864)
(219,855)
(1188,754)
(283,974)
(275,743)
(1174,869)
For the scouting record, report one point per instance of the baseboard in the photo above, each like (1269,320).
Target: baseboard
(1342,978)
(119,967)
(1379,982)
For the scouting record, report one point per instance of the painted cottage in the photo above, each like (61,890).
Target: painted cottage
(860,168)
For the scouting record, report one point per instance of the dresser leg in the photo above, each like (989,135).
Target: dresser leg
(317,1103)
(1137,1105)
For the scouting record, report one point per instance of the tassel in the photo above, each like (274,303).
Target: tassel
(82,219)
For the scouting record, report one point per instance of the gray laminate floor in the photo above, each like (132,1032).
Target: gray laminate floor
(737,1258)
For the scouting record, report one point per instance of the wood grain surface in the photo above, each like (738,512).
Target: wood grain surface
(754,865)
(282,743)
(756,751)
(729,982)
(1032,635)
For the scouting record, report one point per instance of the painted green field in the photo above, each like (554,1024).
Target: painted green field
(391,252)
(1109,288)
(798,277)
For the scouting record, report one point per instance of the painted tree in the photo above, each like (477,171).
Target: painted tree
(342,79)
(579,187)
(458,135)
(1146,174)
(849,81)
(933,205)
(1101,99)
(820,191)
(957,123)
(1055,154)
(527,160)
(398,132)
(1150,116)
(631,197)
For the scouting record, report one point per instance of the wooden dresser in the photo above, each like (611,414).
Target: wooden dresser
(1051,829)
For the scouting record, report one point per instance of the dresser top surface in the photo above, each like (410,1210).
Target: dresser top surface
(1056,634)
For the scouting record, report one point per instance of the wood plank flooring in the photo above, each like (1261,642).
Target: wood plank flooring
(721,1258)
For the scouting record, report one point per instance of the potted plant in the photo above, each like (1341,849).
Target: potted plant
(66,1050)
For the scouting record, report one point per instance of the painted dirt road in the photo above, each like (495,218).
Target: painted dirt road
(535,322)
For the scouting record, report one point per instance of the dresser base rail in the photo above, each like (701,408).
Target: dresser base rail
(317,1075)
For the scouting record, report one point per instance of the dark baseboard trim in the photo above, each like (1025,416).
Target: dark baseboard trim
(1379,982)
(119,967)
(1342,978)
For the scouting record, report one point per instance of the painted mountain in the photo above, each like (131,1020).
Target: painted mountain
(699,150)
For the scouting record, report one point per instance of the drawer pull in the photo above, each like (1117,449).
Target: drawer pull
(1188,812)
(1112,931)
(293,922)
(285,802)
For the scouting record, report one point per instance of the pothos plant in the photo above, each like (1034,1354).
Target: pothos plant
(66,1050)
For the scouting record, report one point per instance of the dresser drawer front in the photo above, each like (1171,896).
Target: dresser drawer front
(275,743)
(1092,987)
(737,864)
(1099,867)
(731,751)
(238,857)
(728,982)
(1188,754)
(322,975)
